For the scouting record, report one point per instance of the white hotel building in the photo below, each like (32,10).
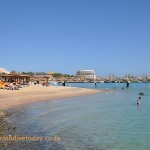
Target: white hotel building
(86,73)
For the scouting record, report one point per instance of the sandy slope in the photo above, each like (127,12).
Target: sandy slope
(27,95)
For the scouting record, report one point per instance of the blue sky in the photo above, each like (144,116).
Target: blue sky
(109,36)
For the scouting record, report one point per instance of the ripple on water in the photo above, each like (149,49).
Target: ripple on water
(104,121)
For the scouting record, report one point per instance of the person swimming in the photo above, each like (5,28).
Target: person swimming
(106,89)
(115,88)
(141,93)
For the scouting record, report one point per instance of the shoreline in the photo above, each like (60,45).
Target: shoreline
(27,95)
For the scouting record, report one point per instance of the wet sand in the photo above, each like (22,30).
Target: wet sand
(27,95)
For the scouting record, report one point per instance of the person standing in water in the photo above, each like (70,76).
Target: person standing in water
(139,101)
(127,83)
(95,84)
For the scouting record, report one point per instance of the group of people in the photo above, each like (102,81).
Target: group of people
(139,99)
(11,85)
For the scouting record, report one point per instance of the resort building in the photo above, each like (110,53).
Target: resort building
(86,73)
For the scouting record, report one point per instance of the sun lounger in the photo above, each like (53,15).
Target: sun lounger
(2,86)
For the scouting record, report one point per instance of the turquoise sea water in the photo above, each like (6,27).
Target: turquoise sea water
(103,121)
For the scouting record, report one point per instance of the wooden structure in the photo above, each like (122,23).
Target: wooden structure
(18,78)
(41,78)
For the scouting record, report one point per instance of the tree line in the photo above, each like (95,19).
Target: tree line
(56,75)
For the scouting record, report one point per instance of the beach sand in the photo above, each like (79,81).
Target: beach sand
(34,93)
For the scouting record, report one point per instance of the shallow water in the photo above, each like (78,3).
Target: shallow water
(104,121)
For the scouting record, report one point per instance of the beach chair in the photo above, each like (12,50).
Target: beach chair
(2,86)
(7,86)
(13,86)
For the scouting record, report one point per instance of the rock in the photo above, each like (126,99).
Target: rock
(14,128)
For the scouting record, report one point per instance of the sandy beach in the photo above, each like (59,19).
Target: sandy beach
(12,98)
